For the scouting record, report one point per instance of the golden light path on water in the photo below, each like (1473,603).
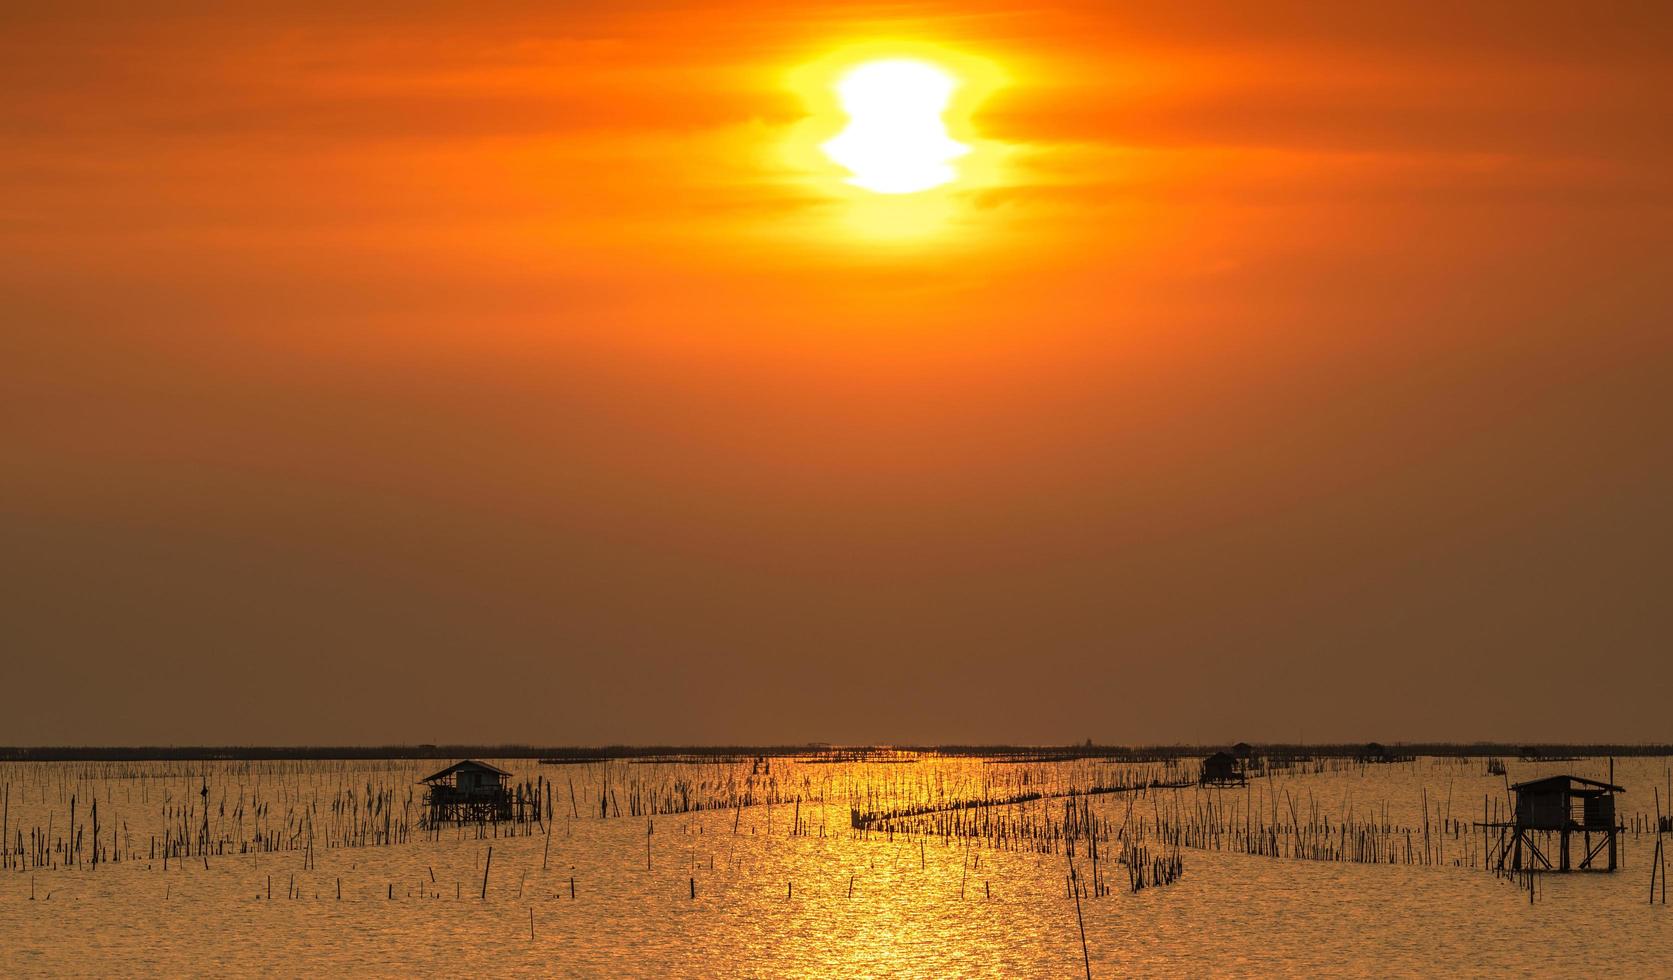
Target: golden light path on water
(786,889)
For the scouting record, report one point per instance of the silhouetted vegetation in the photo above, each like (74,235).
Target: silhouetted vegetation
(1273,754)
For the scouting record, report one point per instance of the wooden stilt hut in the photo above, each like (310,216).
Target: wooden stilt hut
(1221,769)
(470,791)
(1548,814)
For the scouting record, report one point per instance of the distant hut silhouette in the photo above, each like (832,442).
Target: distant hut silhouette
(1244,751)
(1375,752)
(469,790)
(1221,769)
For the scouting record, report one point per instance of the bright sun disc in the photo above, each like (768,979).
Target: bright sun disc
(896,141)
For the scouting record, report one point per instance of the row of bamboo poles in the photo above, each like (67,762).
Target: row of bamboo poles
(239,822)
(1001,804)
(1206,819)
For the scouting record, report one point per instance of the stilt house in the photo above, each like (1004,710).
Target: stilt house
(1551,811)
(1221,769)
(468,791)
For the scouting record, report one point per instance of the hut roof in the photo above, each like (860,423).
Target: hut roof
(470,764)
(1565,784)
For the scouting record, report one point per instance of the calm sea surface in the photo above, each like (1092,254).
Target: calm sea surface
(788,889)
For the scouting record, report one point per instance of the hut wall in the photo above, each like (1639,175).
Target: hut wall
(1542,811)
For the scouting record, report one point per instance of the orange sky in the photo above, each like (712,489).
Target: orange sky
(1303,372)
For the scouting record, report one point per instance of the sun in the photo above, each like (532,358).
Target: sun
(889,148)
(896,140)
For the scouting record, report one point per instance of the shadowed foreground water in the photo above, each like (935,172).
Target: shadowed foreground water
(826,902)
